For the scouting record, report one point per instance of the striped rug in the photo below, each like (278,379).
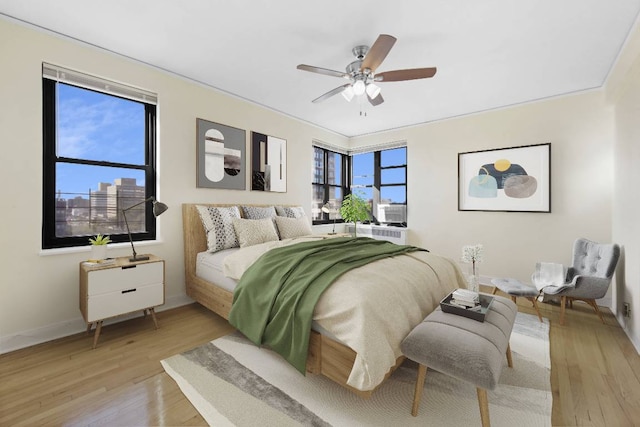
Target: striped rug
(232,382)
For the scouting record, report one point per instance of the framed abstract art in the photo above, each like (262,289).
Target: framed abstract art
(221,156)
(515,179)
(268,163)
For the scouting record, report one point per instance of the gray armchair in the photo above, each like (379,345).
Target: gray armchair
(589,276)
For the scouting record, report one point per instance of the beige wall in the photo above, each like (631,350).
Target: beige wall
(39,292)
(580,131)
(623,90)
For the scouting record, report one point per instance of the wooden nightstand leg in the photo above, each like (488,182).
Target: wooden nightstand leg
(97,333)
(153,316)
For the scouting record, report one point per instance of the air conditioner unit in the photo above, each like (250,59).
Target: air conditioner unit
(397,235)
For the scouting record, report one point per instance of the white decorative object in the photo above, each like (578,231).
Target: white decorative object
(472,254)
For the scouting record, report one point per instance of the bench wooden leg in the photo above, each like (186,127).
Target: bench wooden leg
(417,395)
(483,402)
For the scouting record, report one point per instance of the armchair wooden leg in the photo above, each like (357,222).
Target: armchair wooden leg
(483,402)
(509,358)
(495,289)
(593,304)
(417,395)
(563,303)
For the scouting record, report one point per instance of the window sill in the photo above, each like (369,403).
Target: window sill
(87,248)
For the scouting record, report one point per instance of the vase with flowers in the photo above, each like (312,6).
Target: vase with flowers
(472,255)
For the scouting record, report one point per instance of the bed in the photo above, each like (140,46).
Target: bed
(331,345)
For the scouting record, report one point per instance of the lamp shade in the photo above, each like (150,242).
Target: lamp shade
(159,208)
(326,208)
(348,93)
(373,90)
(358,87)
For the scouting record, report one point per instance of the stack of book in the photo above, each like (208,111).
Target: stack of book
(465,298)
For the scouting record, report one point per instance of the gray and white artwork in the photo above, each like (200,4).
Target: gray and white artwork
(221,156)
(268,163)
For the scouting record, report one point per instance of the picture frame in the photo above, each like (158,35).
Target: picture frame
(221,156)
(513,179)
(268,163)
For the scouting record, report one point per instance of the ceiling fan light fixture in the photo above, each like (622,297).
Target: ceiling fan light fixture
(348,93)
(358,87)
(373,90)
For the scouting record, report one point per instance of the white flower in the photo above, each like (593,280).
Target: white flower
(472,253)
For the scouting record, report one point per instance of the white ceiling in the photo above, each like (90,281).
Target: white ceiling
(489,54)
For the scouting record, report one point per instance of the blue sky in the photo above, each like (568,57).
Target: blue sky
(96,126)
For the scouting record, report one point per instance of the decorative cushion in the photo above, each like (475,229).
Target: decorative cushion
(293,227)
(256,212)
(218,223)
(290,212)
(254,231)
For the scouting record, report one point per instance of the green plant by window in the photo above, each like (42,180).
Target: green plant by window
(99,240)
(354,208)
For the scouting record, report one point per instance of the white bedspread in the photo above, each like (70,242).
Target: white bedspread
(372,308)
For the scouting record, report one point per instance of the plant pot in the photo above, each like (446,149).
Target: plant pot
(98,251)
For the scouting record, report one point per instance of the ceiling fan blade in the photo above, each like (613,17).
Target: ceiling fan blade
(409,74)
(376,101)
(378,52)
(331,93)
(324,71)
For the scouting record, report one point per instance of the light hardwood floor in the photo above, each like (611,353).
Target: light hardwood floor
(595,374)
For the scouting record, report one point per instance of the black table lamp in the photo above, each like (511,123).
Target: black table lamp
(326,208)
(158,209)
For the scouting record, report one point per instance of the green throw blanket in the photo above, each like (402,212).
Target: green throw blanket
(274,301)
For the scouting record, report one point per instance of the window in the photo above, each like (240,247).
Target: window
(381,177)
(99,158)
(329,183)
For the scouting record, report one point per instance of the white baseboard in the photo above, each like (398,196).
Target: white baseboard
(35,336)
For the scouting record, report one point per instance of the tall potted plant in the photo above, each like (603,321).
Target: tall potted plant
(353,209)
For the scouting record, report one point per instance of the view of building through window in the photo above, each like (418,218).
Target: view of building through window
(97,165)
(380,177)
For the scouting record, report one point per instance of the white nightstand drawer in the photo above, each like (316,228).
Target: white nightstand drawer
(126,277)
(124,301)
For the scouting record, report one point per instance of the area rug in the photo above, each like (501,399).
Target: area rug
(232,382)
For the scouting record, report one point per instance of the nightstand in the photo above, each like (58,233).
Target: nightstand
(121,287)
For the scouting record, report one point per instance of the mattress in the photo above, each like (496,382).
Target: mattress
(209,267)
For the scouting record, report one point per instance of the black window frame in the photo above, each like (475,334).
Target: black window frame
(345,186)
(50,160)
(377,179)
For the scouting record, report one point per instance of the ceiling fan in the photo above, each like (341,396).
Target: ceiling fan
(362,75)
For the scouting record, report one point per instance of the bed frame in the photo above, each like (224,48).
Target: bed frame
(326,356)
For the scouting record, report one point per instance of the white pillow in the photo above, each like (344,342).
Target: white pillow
(254,231)
(290,212)
(217,222)
(293,227)
(258,212)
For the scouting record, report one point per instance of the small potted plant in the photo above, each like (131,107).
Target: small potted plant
(353,209)
(99,246)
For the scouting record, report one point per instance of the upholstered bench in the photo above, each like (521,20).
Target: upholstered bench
(515,288)
(463,348)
